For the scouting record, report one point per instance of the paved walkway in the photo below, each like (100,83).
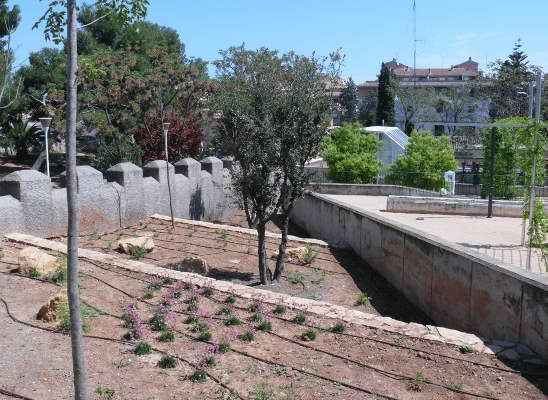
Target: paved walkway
(497,237)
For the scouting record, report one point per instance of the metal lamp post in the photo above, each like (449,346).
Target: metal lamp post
(494,108)
(45,126)
(166,128)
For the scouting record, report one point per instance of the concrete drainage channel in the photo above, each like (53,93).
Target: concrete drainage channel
(508,350)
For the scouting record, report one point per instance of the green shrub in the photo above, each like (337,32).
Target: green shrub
(310,334)
(138,252)
(233,321)
(338,328)
(33,273)
(225,311)
(205,336)
(363,299)
(142,348)
(166,336)
(198,376)
(256,317)
(299,319)
(224,347)
(309,255)
(265,326)
(280,310)
(230,300)
(248,337)
(168,362)
(297,277)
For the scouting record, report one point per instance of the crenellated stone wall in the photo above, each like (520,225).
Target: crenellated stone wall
(199,190)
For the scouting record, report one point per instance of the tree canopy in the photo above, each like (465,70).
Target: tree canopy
(274,114)
(386,98)
(349,101)
(351,155)
(506,84)
(368,109)
(425,161)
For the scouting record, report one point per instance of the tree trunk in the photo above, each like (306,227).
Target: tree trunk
(283,245)
(76,337)
(39,161)
(264,272)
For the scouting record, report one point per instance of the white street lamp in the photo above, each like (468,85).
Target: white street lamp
(45,126)
(166,128)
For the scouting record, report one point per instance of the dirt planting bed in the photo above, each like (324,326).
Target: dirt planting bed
(268,357)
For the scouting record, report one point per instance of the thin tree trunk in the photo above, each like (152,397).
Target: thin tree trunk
(39,161)
(283,245)
(264,272)
(76,337)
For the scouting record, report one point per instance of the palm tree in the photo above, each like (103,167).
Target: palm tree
(21,135)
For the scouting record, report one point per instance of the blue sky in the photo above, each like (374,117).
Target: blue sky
(369,32)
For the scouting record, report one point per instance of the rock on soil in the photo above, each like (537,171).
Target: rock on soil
(294,253)
(47,311)
(193,264)
(145,242)
(31,257)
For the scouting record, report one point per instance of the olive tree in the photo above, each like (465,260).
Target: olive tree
(274,112)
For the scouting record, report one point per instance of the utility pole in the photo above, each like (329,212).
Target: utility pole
(534,172)
(492,170)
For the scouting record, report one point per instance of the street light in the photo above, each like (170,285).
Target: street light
(45,126)
(166,128)
(494,109)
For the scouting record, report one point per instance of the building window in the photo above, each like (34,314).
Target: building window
(334,115)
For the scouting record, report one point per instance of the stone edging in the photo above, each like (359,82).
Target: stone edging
(320,308)
(241,230)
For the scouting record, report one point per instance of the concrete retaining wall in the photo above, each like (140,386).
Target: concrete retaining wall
(451,205)
(131,194)
(457,287)
(371,190)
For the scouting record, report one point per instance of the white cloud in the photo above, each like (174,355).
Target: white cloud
(466,36)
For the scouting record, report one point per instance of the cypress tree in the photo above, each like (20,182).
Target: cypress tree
(386,97)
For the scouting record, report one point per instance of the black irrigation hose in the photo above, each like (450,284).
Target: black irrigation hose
(342,333)
(388,374)
(11,394)
(215,379)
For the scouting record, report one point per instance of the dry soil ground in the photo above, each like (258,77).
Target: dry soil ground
(360,363)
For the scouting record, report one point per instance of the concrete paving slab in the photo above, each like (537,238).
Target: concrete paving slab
(498,237)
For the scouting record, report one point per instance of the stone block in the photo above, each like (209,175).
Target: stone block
(157,170)
(33,190)
(130,177)
(193,264)
(31,257)
(189,167)
(88,179)
(145,242)
(47,311)
(214,166)
(227,162)
(11,215)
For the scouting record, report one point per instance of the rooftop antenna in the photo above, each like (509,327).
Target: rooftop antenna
(415,40)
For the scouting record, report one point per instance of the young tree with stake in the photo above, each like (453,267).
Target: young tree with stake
(122,11)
